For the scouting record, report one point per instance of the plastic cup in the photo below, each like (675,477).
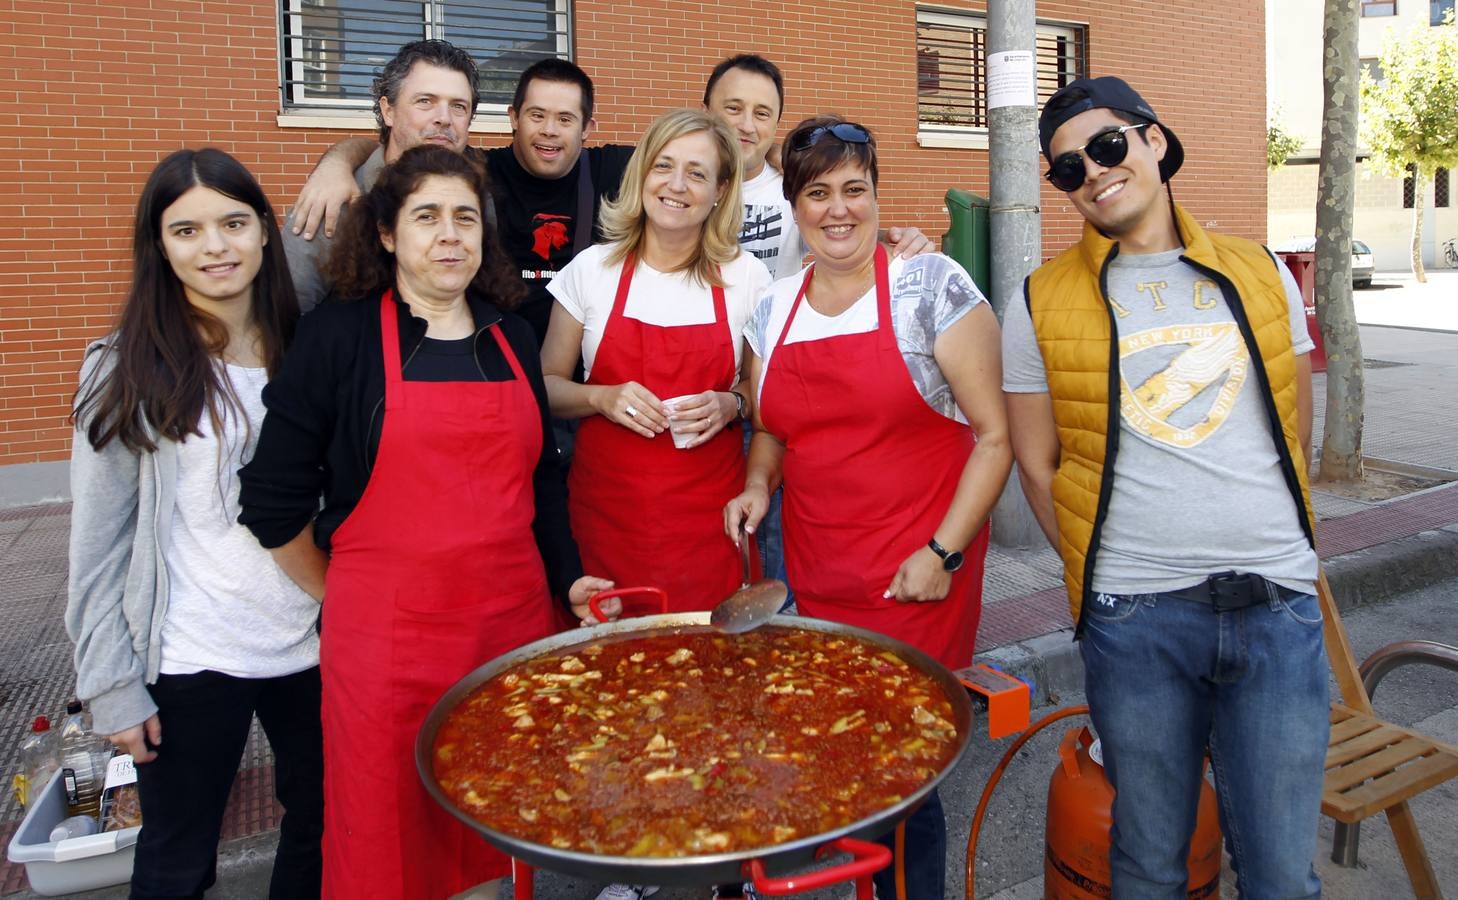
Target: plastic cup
(680,441)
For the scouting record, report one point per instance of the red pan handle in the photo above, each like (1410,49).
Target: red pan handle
(867,859)
(592,601)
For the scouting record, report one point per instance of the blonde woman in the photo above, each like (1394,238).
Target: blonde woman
(656,317)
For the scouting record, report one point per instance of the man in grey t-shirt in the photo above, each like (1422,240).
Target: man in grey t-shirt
(1160,403)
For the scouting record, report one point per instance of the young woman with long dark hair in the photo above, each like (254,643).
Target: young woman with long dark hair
(184,626)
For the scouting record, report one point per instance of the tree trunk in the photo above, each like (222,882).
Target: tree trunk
(1419,191)
(1341,444)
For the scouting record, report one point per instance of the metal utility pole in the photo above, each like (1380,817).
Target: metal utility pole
(1017,227)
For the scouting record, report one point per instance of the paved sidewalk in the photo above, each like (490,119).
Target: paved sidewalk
(1372,550)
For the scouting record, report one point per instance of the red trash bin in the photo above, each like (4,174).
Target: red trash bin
(1303,268)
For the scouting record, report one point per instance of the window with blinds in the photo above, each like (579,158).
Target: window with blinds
(951,66)
(331,50)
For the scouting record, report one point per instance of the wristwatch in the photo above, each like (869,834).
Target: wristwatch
(951,559)
(738,404)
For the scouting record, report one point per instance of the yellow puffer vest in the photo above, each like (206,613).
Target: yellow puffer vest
(1074,327)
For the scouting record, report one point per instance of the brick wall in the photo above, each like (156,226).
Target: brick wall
(102,91)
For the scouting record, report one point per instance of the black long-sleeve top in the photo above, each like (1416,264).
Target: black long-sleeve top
(326,409)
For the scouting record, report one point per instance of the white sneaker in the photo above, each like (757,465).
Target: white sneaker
(627,891)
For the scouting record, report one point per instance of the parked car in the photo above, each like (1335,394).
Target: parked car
(1362,265)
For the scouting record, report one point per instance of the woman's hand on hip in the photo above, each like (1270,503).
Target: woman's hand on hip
(632,406)
(583,590)
(743,514)
(703,415)
(921,578)
(134,740)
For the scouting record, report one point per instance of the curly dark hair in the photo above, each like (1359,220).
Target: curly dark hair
(360,267)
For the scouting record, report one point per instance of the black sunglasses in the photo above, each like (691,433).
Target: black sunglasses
(1107,148)
(849,132)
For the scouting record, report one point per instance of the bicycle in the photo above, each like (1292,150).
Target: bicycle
(1450,253)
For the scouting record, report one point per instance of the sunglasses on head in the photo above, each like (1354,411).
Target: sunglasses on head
(1107,148)
(849,132)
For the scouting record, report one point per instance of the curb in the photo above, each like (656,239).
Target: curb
(1360,578)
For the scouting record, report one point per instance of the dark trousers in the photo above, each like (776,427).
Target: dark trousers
(205,721)
(926,855)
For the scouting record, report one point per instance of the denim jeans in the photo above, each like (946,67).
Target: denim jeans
(769,537)
(926,854)
(1169,679)
(184,791)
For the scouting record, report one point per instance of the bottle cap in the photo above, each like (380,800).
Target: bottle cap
(40,724)
(73,707)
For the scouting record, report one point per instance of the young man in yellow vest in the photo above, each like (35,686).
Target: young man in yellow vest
(1160,400)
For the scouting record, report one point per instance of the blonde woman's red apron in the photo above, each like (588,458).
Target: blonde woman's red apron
(869,472)
(434,572)
(642,511)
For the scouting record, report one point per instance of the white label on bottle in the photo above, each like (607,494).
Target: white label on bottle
(121,770)
(1012,79)
(68,777)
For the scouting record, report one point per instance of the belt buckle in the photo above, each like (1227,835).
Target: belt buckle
(1235,590)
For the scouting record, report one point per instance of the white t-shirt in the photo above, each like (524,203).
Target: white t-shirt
(586,289)
(769,230)
(929,294)
(230,608)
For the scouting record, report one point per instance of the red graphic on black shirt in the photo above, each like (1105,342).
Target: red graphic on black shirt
(549,232)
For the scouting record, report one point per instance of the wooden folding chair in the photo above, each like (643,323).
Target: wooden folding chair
(1374,766)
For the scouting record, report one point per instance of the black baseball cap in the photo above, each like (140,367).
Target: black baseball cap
(1107,92)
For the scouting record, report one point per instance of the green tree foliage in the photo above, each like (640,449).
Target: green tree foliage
(1410,117)
(1280,144)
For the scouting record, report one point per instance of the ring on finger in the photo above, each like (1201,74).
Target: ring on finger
(631,411)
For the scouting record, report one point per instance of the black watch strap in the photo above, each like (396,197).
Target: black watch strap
(951,559)
(739,403)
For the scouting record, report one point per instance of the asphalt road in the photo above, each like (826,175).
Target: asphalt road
(1396,299)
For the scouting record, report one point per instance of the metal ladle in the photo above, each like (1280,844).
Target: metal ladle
(753,604)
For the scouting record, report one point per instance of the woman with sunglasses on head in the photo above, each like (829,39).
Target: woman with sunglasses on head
(184,626)
(879,406)
(656,316)
(417,413)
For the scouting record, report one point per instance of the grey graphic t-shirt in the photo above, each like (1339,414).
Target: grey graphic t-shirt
(1197,484)
(929,294)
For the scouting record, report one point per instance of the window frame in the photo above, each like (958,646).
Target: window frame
(940,134)
(327,112)
(1437,9)
(1366,5)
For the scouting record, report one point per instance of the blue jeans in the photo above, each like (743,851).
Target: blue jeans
(926,854)
(769,538)
(1168,679)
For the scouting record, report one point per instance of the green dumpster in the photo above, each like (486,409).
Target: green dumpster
(969,240)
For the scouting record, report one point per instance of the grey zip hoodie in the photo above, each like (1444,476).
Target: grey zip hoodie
(121,514)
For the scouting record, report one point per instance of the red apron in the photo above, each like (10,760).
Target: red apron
(644,512)
(434,572)
(869,472)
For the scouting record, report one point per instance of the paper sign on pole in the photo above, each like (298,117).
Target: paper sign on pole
(1012,79)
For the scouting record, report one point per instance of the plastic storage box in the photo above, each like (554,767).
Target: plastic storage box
(75,864)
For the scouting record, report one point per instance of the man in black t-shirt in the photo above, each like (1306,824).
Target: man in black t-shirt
(547,189)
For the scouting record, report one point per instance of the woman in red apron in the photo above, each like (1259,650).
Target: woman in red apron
(423,413)
(656,317)
(865,372)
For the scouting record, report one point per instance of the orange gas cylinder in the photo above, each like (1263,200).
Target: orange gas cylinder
(1080,804)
